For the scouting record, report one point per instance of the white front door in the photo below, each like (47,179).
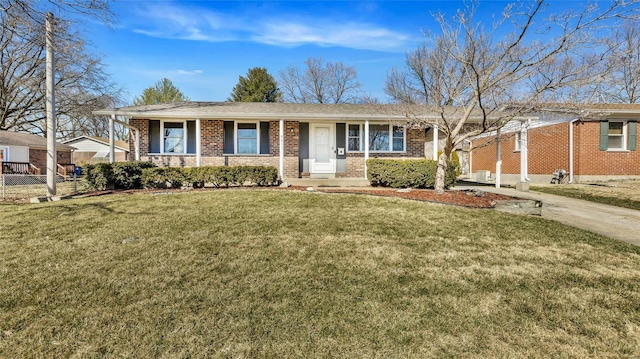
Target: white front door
(322,149)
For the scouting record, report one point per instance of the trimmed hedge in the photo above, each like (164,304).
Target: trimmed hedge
(119,175)
(217,176)
(407,173)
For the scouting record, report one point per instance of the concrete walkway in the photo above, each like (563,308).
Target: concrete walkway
(610,221)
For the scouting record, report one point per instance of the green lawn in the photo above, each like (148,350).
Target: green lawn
(267,273)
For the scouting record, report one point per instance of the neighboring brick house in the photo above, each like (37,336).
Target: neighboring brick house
(302,140)
(602,144)
(19,147)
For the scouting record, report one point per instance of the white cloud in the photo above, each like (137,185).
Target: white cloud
(166,20)
(351,35)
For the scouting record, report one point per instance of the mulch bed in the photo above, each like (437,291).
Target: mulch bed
(471,199)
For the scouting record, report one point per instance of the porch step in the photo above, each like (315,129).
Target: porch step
(328,182)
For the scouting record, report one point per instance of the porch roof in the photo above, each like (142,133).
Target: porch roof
(277,111)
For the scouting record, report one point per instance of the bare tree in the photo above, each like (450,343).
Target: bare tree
(81,82)
(623,81)
(320,82)
(475,80)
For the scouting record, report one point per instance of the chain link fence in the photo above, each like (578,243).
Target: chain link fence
(21,186)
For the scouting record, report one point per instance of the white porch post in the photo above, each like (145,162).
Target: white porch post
(198,144)
(112,155)
(366,146)
(136,144)
(281,149)
(435,142)
(498,159)
(523,153)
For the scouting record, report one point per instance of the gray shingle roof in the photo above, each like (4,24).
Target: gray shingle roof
(11,138)
(295,111)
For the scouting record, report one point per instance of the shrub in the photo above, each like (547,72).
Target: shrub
(119,175)
(128,175)
(163,177)
(99,176)
(407,173)
(215,176)
(256,175)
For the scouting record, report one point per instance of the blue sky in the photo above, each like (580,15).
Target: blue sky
(203,46)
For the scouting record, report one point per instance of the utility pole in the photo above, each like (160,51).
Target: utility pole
(51,110)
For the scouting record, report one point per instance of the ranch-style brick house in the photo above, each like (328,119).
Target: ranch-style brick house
(301,140)
(600,142)
(328,141)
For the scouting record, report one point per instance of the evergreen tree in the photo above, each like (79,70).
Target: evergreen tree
(258,86)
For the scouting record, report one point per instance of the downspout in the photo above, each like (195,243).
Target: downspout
(524,152)
(281,146)
(571,149)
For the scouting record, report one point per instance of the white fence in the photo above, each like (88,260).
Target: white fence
(19,186)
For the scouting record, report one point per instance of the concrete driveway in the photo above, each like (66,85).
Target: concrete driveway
(610,221)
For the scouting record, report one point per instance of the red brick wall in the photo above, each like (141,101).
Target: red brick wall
(38,158)
(589,160)
(143,126)
(483,153)
(549,150)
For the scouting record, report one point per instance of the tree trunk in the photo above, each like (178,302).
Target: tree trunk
(440,173)
(442,166)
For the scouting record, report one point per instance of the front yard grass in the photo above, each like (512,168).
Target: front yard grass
(267,273)
(616,193)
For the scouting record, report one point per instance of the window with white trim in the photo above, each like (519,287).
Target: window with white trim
(619,135)
(518,141)
(4,154)
(354,137)
(382,138)
(174,137)
(247,138)
(616,135)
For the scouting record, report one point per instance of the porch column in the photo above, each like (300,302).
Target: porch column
(136,144)
(435,142)
(498,159)
(112,155)
(523,153)
(281,147)
(366,146)
(198,144)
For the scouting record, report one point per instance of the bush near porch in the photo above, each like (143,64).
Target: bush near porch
(407,173)
(131,175)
